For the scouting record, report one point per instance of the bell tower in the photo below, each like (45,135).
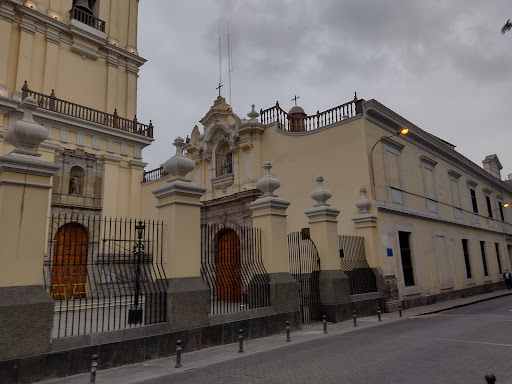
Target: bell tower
(79,60)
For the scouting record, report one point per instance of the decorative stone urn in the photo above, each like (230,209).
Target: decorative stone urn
(26,134)
(363,203)
(179,165)
(268,183)
(320,194)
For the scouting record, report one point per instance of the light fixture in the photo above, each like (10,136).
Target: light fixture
(401,131)
(505,205)
(31,4)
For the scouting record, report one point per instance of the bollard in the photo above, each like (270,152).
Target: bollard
(94,367)
(355,318)
(400,310)
(240,340)
(288,331)
(378,314)
(178,354)
(490,378)
(325,324)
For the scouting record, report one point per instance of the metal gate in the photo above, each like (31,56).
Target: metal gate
(305,268)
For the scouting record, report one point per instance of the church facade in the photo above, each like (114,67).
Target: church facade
(433,222)
(435,225)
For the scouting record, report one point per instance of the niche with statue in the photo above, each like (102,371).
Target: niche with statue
(78,183)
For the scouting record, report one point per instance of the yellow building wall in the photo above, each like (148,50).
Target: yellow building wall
(338,154)
(46,64)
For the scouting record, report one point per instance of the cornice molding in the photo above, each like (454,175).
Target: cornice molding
(439,219)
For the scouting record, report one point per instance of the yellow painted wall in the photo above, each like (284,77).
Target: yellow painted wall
(46,65)
(337,154)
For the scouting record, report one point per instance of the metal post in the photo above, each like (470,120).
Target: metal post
(94,367)
(355,318)
(490,378)
(135,312)
(400,310)
(240,340)
(325,324)
(378,313)
(288,331)
(178,354)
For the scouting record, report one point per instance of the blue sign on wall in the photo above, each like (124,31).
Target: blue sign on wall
(390,251)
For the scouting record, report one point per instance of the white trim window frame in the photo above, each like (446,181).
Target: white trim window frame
(441,264)
(482,243)
(409,289)
(428,165)
(455,193)
(396,193)
(473,200)
(488,203)
(499,258)
(468,263)
(501,213)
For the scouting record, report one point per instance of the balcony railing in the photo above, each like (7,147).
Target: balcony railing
(154,174)
(51,103)
(313,122)
(86,18)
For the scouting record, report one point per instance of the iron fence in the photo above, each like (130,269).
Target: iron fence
(353,262)
(232,266)
(305,268)
(104,274)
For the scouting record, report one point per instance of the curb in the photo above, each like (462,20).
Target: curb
(463,305)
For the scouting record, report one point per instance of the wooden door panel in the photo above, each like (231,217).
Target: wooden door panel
(69,267)
(228,267)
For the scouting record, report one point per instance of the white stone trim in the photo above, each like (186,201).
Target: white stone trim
(448,283)
(26,184)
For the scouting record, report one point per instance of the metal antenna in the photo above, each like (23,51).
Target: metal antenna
(229,65)
(220,62)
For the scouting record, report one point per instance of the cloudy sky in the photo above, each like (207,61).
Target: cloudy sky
(442,64)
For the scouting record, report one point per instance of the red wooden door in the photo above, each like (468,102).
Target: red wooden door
(228,266)
(69,266)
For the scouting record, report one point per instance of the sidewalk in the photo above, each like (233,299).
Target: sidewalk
(136,373)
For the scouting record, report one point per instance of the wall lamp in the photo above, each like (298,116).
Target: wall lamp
(401,131)
(499,208)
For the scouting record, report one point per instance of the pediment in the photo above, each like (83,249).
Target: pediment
(78,152)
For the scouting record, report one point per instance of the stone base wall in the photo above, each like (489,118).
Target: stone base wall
(477,290)
(135,348)
(26,320)
(365,305)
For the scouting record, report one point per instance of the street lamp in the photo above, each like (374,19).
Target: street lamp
(401,131)
(135,312)
(501,212)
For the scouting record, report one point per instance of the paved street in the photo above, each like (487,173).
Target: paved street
(455,346)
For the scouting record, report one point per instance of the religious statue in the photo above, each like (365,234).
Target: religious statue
(228,165)
(74,185)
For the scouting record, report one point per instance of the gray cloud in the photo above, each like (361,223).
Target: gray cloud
(441,64)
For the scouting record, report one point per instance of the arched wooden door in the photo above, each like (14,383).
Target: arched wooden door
(69,264)
(228,266)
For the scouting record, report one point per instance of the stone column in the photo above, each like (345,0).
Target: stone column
(269,214)
(323,226)
(179,208)
(110,187)
(5,32)
(26,309)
